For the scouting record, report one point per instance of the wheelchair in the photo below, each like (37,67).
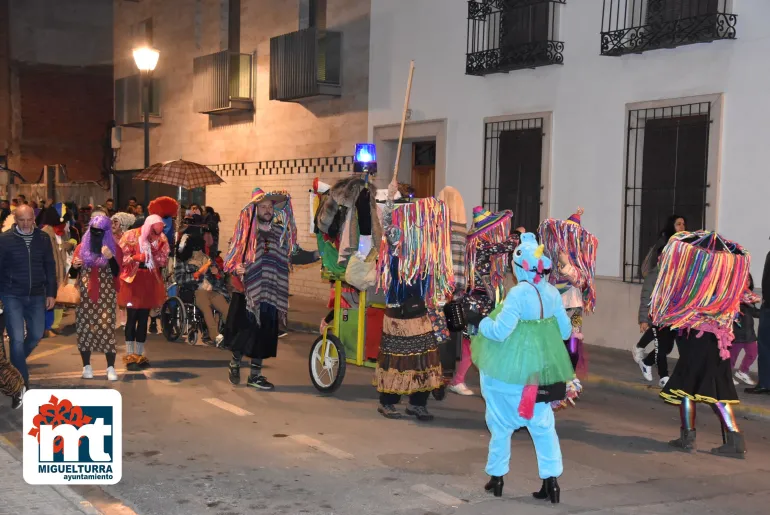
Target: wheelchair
(179,316)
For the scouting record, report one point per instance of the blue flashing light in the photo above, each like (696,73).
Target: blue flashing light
(365,153)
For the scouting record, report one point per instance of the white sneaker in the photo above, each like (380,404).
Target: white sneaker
(663,381)
(646,371)
(735,382)
(111,374)
(460,389)
(638,354)
(88,372)
(219,339)
(745,378)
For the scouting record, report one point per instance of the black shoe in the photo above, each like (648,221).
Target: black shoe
(757,390)
(734,446)
(133,367)
(421,412)
(549,490)
(260,383)
(685,442)
(388,411)
(18,398)
(235,373)
(495,485)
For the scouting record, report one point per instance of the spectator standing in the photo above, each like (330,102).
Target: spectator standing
(27,285)
(763,385)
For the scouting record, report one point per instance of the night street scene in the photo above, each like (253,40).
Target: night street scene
(384,257)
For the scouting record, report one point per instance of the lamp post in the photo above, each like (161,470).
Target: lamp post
(146,60)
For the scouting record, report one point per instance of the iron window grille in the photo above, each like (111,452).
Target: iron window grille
(635,26)
(507,35)
(513,169)
(666,174)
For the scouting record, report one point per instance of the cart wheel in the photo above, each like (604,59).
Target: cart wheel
(172,318)
(327,371)
(439,393)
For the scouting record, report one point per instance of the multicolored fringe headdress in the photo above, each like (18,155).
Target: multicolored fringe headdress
(488,228)
(424,250)
(700,284)
(244,243)
(570,237)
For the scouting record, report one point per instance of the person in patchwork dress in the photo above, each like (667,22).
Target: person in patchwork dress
(96,266)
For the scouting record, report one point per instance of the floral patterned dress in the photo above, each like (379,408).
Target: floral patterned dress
(95,321)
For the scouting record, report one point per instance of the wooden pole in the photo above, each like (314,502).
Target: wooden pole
(394,180)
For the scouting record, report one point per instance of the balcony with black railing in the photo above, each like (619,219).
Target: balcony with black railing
(507,35)
(635,26)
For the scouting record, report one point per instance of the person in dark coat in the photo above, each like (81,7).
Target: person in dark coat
(745,340)
(27,285)
(763,343)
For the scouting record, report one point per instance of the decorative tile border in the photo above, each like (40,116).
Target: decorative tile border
(311,165)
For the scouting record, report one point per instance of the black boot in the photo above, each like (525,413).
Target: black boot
(235,373)
(685,442)
(549,490)
(495,485)
(734,446)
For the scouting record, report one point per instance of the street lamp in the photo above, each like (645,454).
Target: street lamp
(146,60)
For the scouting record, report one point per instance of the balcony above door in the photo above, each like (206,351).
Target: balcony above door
(223,83)
(306,65)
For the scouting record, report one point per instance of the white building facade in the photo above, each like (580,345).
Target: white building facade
(632,109)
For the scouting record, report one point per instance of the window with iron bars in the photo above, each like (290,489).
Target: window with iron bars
(635,26)
(513,162)
(666,174)
(507,35)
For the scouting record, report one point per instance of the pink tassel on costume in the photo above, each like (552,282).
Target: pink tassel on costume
(527,403)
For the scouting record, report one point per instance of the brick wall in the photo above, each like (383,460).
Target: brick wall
(229,198)
(65,115)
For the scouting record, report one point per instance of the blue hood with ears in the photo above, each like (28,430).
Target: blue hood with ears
(530,263)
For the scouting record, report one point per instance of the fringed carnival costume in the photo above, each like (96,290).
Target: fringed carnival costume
(259,255)
(703,279)
(524,367)
(574,249)
(145,254)
(415,271)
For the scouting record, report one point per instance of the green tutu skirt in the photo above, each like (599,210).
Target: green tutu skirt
(534,353)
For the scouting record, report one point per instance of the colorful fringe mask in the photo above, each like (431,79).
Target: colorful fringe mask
(570,237)
(246,234)
(700,285)
(423,251)
(495,232)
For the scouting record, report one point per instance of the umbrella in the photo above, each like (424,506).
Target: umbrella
(183,174)
(180,173)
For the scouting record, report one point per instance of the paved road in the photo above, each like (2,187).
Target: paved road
(195,444)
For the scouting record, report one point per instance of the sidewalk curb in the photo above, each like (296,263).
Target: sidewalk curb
(64,491)
(641,390)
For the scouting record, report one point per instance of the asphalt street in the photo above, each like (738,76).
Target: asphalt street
(194,444)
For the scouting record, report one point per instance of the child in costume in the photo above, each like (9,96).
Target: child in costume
(145,254)
(575,250)
(702,281)
(524,366)
(488,249)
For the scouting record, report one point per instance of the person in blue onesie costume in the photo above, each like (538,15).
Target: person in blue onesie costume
(524,365)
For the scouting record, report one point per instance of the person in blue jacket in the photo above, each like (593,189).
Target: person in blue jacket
(524,366)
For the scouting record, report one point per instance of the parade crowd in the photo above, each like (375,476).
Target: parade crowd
(509,300)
